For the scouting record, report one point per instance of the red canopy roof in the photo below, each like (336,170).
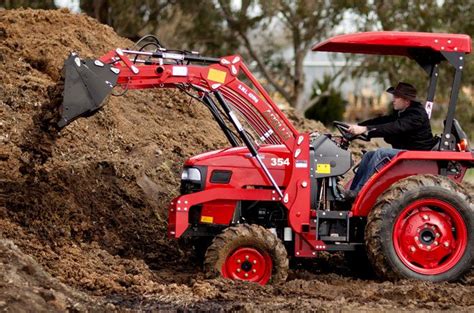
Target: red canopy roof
(395,43)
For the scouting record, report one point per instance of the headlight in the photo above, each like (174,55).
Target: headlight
(191,173)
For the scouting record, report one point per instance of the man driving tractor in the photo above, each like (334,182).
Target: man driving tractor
(407,128)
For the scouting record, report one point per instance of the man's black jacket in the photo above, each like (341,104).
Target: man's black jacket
(407,130)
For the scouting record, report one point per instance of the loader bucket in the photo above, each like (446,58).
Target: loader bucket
(87,84)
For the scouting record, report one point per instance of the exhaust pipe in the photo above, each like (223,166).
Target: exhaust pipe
(87,84)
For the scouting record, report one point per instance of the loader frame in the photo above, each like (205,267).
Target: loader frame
(219,84)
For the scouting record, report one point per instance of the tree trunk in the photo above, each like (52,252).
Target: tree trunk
(298,80)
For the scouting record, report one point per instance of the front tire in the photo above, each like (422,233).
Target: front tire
(249,253)
(422,228)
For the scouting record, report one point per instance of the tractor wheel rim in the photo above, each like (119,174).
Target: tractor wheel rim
(430,236)
(248,264)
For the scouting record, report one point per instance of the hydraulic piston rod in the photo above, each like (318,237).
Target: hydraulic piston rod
(246,140)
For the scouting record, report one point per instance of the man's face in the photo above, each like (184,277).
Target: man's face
(400,103)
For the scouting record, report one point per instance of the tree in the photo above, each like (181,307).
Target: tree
(328,105)
(217,26)
(301,22)
(128,18)
(449,16)
(34,4)
(179,24)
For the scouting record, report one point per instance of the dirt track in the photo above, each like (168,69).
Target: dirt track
(88,204)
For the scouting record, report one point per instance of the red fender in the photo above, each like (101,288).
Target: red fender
(406,163)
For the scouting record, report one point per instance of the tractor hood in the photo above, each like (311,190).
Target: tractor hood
(240,157)
(240,168)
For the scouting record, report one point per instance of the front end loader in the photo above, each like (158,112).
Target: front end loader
(274,192)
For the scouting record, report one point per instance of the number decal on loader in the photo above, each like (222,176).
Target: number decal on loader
(279,161)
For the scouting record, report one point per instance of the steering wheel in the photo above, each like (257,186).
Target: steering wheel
(344,130)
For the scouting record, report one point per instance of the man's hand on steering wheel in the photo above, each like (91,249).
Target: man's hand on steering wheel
(356,129)
(352,131)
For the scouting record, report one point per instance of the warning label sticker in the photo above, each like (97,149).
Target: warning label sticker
(323,169)
(207,219)
(216,75)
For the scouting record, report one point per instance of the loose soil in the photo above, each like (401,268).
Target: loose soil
(83,211)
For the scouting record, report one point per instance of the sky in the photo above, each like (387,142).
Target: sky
(72,5)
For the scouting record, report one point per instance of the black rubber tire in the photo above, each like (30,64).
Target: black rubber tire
(246,235)
(381,221)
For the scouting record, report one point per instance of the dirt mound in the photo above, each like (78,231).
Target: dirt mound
(89,203)
(88,185)
(24,284)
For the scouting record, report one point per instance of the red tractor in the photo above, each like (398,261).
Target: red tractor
(274,193)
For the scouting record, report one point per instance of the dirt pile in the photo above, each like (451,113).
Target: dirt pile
(24,284)
(89,203)
(87,189)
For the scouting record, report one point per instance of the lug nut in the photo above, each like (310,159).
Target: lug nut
(437,235)
(416,238)
(247,257)
(446,244)
(435,243)
(238,270)
(412,249)
(420,245)
(428,247)
(238,261)
(425,217)
(254,270)
(254,261)
(246,275)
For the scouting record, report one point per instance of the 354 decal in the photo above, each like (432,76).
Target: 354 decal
(279,162)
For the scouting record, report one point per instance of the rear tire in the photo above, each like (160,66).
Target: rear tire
(249,253)
(422,228)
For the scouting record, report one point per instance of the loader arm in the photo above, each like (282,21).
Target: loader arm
(211,80)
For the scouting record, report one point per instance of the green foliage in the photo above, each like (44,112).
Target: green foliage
(328,105)
(274,36)
(179,24)
(261,30)
(206,31)
(288,28)
(465,115)
(128,18)
(448,16)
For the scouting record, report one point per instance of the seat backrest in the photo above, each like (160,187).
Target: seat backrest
(456,131)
